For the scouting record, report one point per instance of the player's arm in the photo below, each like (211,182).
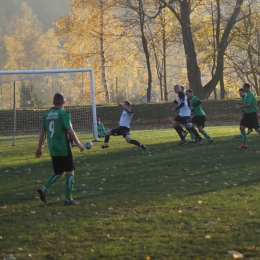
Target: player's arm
(38,152)
(127,109)
(243,106)
(73,136)
(195,104)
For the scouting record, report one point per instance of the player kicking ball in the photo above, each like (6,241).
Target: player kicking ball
(124,127)
(57,126)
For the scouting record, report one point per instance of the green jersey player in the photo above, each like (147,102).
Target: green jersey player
(199,117)
(249,119)
(58,129)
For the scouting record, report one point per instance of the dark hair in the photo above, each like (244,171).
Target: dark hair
(127,102)
(189,90)
(98,119)
(58,99)
(241,90)
(246,85)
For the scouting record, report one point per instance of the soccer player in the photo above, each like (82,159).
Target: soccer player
(57,126)
(249,120)
(243,96)
(199,117)
(183,117)
(100,128)
(124,127)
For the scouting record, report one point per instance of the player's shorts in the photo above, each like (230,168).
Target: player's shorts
(121,130)
(63,164)
(250,120)
(199,120)
(183,119)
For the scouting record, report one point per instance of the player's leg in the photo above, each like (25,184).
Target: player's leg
(134,142)
(178,129)
(244,138)
(107,137)
(58,173)
(69,188)
(201,124)
(189,126)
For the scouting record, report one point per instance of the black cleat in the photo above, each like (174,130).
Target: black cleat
(182,142)
(201,141)
(210,140)
(105,146)
(144,147)
(42,195)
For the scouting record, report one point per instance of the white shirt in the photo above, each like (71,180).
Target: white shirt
(126,118)
(185,110)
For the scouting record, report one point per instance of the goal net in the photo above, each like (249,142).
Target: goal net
(26,95)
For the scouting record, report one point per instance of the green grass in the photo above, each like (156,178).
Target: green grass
(171,202)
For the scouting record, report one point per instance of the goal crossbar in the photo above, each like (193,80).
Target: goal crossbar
(94,114)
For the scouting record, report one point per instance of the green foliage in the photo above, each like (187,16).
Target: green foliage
(170,202)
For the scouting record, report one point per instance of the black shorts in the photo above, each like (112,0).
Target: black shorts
(62,164)
(250,120)
(183,119)
(199,120)
(121,130)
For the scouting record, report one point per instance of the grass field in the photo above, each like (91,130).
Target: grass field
(170,202)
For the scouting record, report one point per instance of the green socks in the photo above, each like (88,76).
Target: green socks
(243,134)
(206,134)
(192,136)
(69,186)
(52,179)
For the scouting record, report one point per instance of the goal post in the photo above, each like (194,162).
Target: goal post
(46,80)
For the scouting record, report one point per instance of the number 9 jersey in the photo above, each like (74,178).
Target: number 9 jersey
(56,121)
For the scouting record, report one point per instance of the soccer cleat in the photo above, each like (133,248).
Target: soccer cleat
(249,131)
(42,195)
(182,142)
(144,147)
(242,146)
(201,141)
(105,146)
(210,141)
(70,202)
(185,133)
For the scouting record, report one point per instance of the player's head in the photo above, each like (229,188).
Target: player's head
(246,87)
(177,88)
(127,103)
(98,120)
(189,93)
(58,99)
(241,92)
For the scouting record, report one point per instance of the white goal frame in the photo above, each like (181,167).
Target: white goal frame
(94,113)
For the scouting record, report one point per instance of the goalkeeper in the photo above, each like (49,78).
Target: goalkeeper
(100,129)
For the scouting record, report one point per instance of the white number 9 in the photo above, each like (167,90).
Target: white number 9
(51,128)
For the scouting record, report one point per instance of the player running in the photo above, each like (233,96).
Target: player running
(183,117)
(249,119)
(199,117)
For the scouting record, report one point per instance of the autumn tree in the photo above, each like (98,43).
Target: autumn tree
(183,11)
(244,54)
(87,33)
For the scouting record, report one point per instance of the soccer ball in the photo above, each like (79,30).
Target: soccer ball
(88,145)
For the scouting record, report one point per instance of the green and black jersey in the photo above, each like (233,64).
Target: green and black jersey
(250,98)
(55,123)
(197,109)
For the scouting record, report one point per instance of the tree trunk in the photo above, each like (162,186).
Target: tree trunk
(146,51)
